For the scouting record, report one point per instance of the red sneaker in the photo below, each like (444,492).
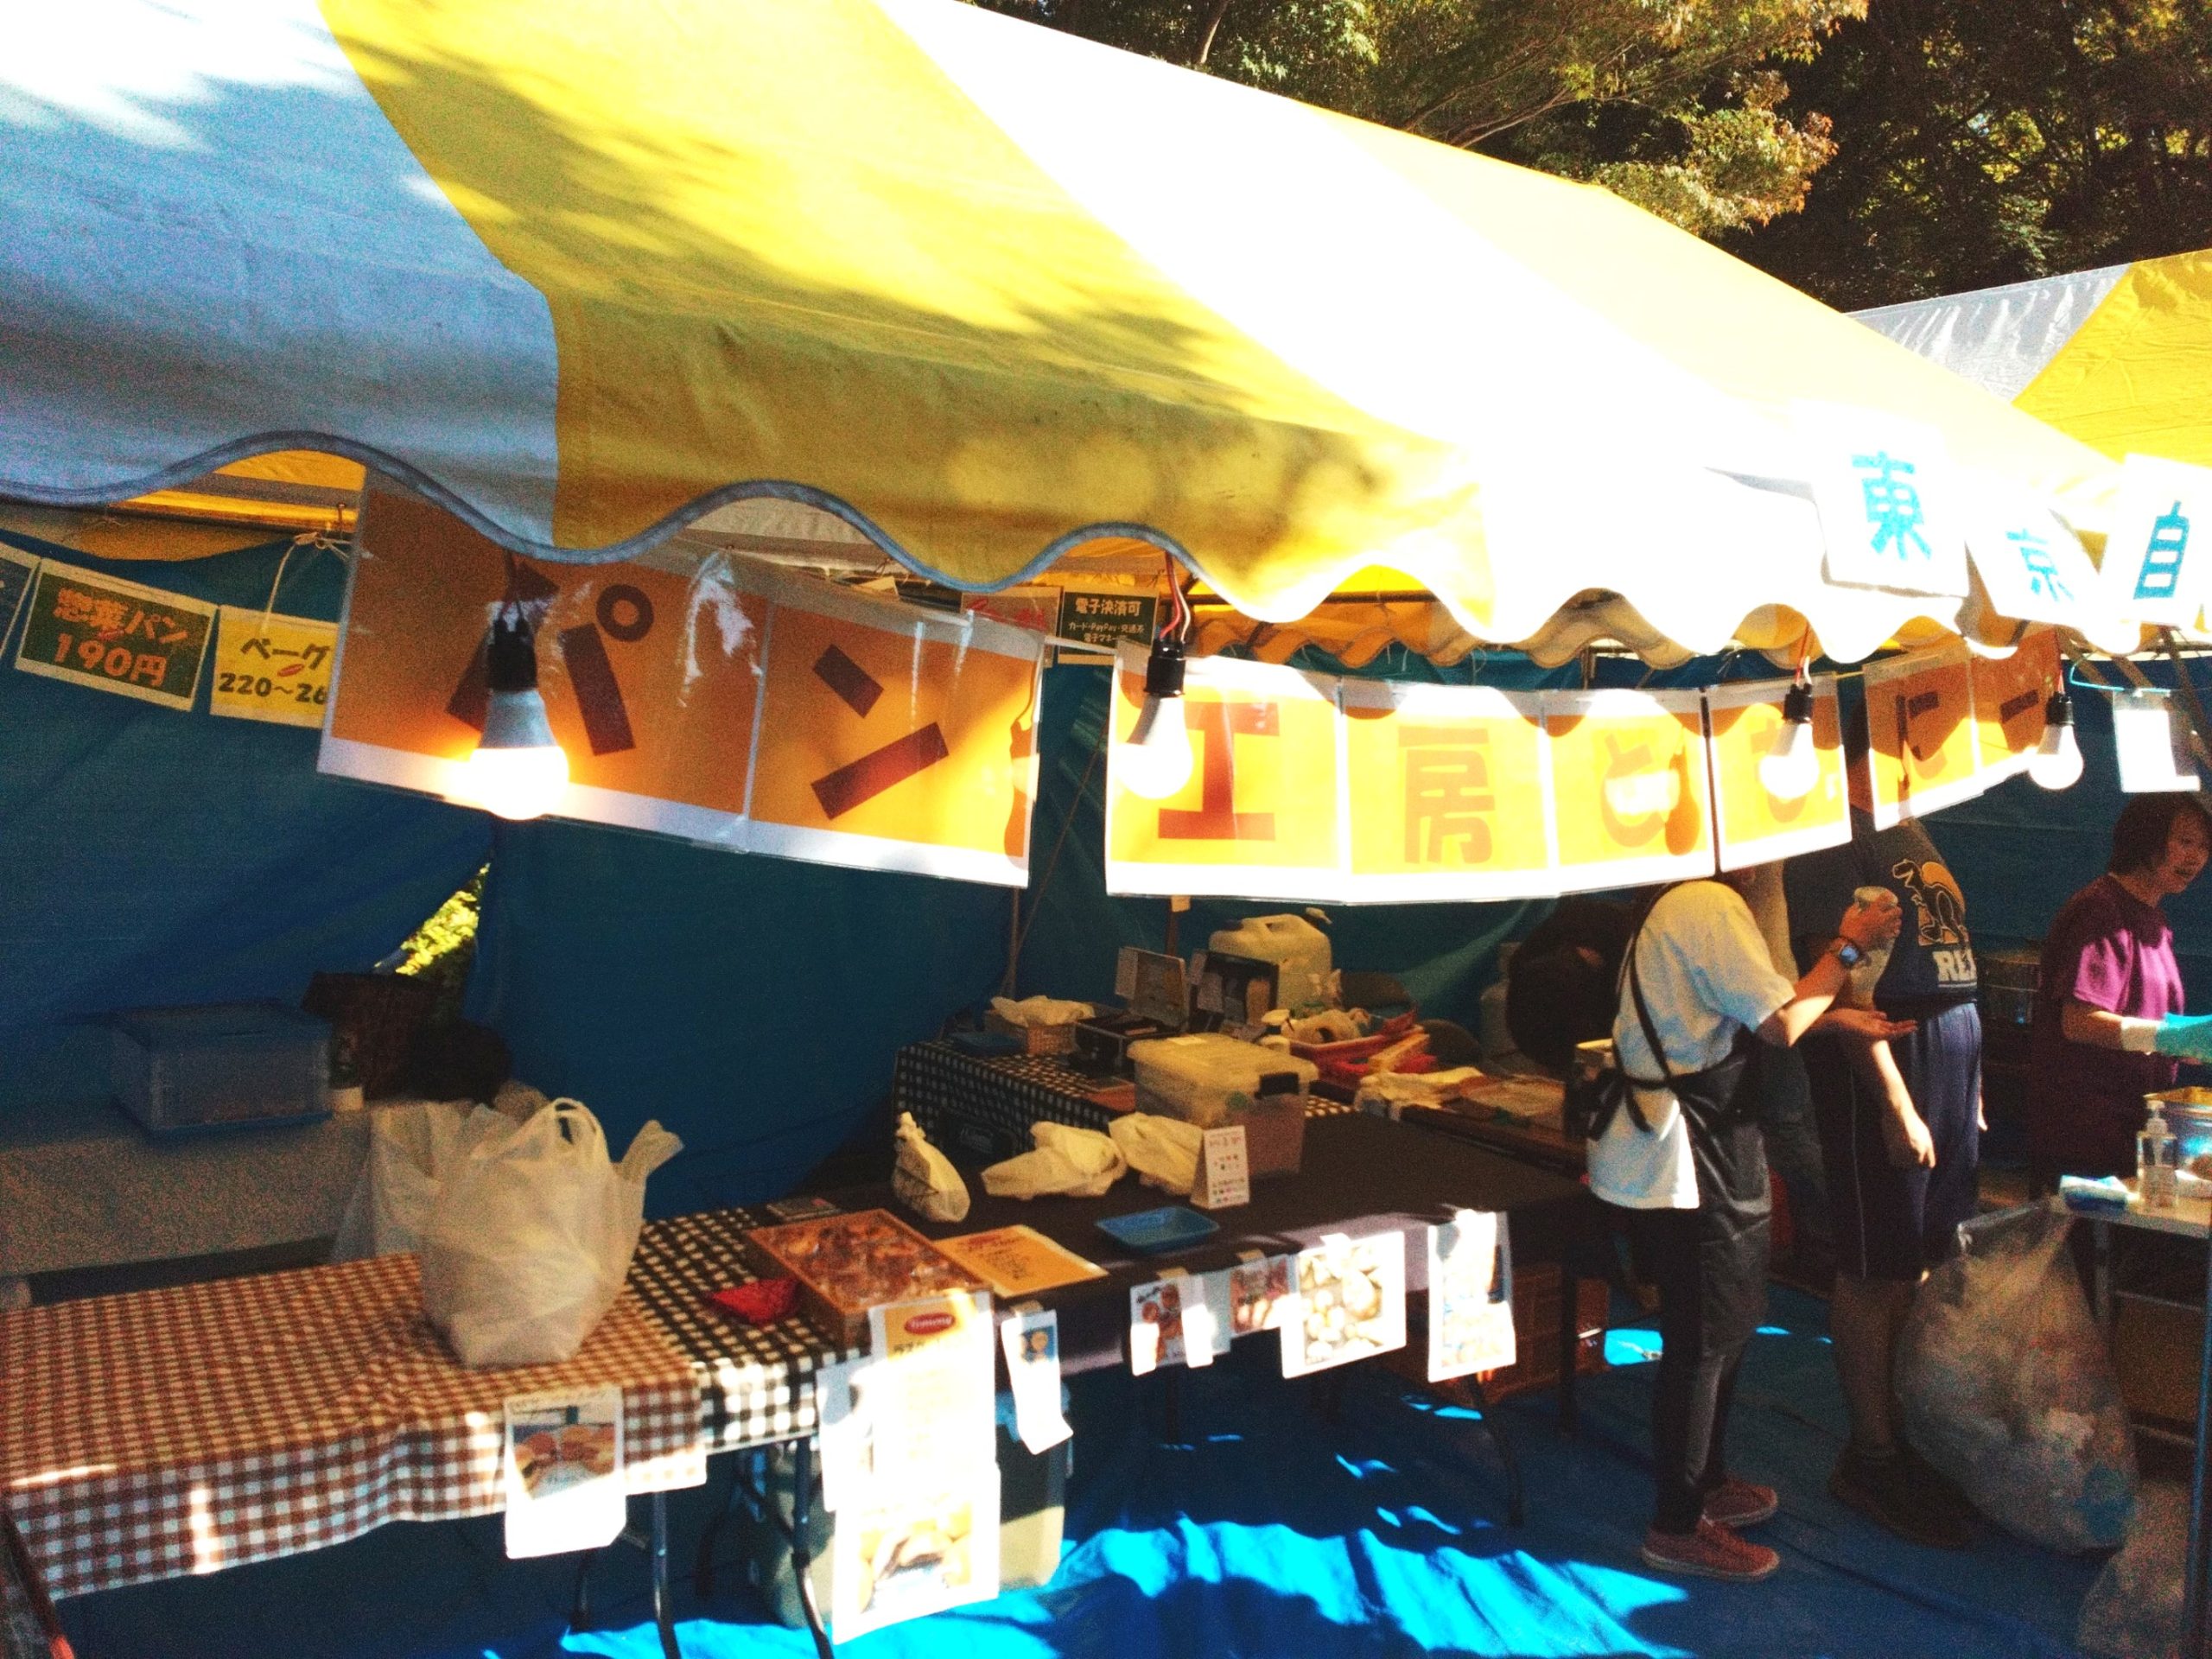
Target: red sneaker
(1712,1551)
(1740,1503)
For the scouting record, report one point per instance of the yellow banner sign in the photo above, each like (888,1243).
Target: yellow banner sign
(1447,793)
(844,730)
(1756,825)
(272,668)
(2010,694)
(1629,787)
(1923,754)
(1261,815)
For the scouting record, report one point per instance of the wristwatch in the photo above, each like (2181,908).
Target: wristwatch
(1848,953)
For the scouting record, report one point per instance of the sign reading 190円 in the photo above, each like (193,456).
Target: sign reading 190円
(114,635)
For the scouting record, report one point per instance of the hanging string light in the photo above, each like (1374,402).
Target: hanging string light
(518,770)
(1792,766)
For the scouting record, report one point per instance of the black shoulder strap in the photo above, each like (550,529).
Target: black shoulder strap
(1644,1016)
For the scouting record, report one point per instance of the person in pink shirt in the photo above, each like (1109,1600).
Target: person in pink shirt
(2108,1023)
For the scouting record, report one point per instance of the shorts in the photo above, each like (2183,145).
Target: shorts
(1894,1223)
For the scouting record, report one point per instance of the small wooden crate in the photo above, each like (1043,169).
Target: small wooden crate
(1035,1039)
(846,1264)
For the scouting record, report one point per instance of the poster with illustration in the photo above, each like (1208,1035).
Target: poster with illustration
(562,1453)
(1470,1296)
(1350,1303)
(906,1553)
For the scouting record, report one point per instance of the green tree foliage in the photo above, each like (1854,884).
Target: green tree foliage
(1993,140)
(1678,104)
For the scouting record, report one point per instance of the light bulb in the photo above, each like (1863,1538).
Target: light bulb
(1792,766)
(2057,763)
(518,770)
(1154,761)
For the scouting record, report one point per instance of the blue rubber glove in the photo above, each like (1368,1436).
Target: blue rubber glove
(2187,1036)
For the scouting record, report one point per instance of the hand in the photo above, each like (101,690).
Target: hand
(1905,1133)
(1869,925)
(2189,1036)
(1867,1024)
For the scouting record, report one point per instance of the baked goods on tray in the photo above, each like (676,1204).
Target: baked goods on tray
(847,1264)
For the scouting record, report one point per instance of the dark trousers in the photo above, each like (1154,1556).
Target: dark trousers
(1712,1285)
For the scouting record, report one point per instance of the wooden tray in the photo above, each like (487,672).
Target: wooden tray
(845,1265)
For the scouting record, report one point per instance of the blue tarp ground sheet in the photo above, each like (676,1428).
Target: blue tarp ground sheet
(1268,1530)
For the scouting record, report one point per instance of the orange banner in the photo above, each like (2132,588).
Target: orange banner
(1629,787)
(2009,696)
(1261,814)
(895,739)
(701,697)
(1448,794)
(1923,753)
(648,673)
(1756,826)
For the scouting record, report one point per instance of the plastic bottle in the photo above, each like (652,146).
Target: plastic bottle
(2155,1183)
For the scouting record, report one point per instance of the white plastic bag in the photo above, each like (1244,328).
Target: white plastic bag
(1081,1163)
(1164,1151)
(2007,1389)
(412,1150)
(923,1178)
(532,1232)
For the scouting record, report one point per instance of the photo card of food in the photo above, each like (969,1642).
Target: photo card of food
(1031,1336)
(563,1456)
(906,1553)
(1259,1293)
(1470,1295)
(1349,1303)
(1178,1319)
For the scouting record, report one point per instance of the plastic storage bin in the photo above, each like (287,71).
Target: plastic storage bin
(1212,1080)
(221,1065)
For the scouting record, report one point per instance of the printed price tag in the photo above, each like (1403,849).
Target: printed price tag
(114,635)
(1031,1336)
(272,668)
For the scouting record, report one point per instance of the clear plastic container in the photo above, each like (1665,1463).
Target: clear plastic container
(2156,1182)
(220,1065)
(1305,962)
(1205,1077)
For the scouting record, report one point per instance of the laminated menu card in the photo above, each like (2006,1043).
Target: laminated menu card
(563,1471)
(1019,1260)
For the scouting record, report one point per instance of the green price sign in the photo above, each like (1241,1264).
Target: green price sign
(114,635)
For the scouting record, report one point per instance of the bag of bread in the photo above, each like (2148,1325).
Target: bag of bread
(923,1178)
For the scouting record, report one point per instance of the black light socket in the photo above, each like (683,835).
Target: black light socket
(2059,711)
(1163,669)
(510,656)
(1797,705)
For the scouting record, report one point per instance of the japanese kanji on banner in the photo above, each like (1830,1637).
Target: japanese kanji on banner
(1629,787)
(114,635)
(1887,499)
(272,667)
(1923,753)
(2033,567)
(2158,561)
(1261,815)
(1448,791)
(649,674)
(702,697)
(2010,694)
(894,739)
(1756,826)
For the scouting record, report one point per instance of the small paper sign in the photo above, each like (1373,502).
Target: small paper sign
(17,571)
(564,1471)
(1224,1174)
(1259,1294)
(1031,1336)
(1351,1303)
(1470,1296)
(272,668)
(2151,758)
(114,635)
(1104,617)
(1178,1320)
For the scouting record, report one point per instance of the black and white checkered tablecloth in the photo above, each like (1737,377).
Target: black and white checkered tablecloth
(982,1105)
(756,1382)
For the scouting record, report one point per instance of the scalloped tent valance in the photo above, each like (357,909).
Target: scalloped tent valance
(587,272)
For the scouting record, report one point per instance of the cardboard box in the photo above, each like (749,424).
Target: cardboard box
(2156,1345)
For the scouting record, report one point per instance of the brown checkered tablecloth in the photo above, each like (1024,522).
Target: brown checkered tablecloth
(180,1431)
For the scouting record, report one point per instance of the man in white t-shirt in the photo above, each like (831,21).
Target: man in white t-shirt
(1685,1165)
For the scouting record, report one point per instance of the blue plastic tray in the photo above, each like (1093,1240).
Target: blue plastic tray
(1155,1232)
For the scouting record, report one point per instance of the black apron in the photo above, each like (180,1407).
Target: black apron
(1720,1110)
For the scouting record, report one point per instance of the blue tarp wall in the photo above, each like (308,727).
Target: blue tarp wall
(752,1005)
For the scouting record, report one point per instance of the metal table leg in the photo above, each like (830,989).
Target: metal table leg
(801,1520)
(2101,1272)
(662,1622)
(2197,1620)
(1516,1508)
